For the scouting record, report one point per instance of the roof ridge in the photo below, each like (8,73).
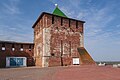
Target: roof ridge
(58,12)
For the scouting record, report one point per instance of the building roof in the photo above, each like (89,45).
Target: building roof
(13,42)
(53,15)
(58,12)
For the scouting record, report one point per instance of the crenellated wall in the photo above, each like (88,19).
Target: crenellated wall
(20,50)
(57,40)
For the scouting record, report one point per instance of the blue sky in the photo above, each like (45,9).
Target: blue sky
(102,27)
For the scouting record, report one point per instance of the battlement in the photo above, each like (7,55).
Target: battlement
(47,19)
(16,49)
(57,38)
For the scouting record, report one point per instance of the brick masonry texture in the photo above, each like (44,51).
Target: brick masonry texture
(8,52)
(57,40)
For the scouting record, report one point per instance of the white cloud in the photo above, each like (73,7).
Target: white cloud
(11,7)
(67,11)
(100,39)
(96,21)
(17,32)
(75,3)
(118,26)
(82,14)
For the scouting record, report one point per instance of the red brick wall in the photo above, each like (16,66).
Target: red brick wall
(70,41)
(38,39)
(16,53)
(67,32)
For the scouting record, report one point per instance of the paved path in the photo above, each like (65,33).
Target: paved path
(61,73)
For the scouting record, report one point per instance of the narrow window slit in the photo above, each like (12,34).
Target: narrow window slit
(52,19)
(21,49)
(69,22)
(13,47)
(76,24)
(61,21)
(29,47)
(3,46)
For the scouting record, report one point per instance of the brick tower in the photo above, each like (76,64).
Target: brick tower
(59,40)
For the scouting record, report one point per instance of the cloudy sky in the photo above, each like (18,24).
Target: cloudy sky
(102,27)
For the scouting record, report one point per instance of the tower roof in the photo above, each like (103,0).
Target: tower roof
(58,12)
(43,13)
